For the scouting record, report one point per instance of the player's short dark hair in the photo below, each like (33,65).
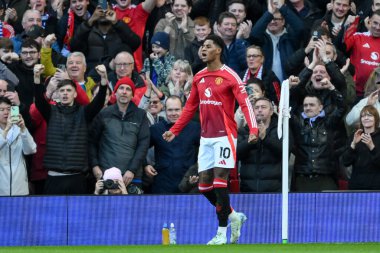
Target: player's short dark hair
(217,41)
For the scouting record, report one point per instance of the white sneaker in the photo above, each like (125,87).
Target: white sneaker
(219,239)
(236,227)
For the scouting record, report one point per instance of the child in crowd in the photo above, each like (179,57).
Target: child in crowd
(160,62)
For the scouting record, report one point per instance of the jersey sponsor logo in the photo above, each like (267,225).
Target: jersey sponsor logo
(218,81)
(208,92)
(366,45)
(375,56)
(202,80)
(370,63)
(210,102)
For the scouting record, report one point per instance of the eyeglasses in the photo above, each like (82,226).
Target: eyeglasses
(25,53)
(254,55)
(154,102)
(123,65)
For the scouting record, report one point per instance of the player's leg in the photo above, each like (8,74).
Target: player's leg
(205,165)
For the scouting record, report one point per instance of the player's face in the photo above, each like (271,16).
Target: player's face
(263,110)
(210,51)
(124,94)
(340,8)
(173,110)
(375,26)
(123,3)
(238,10)
(255,58)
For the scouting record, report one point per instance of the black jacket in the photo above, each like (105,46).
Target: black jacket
(120,141)
(89,40)
(314,149)
(365,164)
(67,132)
(261,163)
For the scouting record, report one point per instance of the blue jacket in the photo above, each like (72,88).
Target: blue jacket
(289,41)
(234,56)
(174,158)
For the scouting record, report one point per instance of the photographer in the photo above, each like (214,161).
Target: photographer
(112,183)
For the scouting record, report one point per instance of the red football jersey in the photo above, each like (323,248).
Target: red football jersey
(214,92)
(135,17)
(365,54)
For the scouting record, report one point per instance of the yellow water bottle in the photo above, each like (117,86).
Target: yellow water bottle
(165,234)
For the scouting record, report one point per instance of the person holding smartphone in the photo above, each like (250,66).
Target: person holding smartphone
(15,142)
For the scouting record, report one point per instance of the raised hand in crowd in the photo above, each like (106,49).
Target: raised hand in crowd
(111,16)
(367,140)
(183,24)
(38,69)
(293,81)
(61,74)
(13,97)
(373,97)
(169,17)
(98,13)
(102,72)
(10,57)
(10,15)
(49,40)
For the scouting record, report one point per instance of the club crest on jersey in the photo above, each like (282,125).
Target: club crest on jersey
(218,81)
(127,20)
(208,92)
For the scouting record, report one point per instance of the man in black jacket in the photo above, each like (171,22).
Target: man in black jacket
(120,136)
(66,157)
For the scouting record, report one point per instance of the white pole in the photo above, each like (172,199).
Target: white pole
(283,127)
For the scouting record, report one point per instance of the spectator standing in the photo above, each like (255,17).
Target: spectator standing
(120,136)
(67,134)
(179,26)
(363,152)
(15,141)
(172,159)
(278,41)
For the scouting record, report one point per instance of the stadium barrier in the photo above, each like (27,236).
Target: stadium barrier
(124,220)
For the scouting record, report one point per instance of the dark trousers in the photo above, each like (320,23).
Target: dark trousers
(66,185)
(315,183)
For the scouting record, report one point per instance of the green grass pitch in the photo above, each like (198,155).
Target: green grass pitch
(242,248)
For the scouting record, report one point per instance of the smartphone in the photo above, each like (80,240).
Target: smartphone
(316,36)
(61,67)
(15,111)
(103,4)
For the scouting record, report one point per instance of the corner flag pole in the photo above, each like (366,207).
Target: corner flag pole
(283,131)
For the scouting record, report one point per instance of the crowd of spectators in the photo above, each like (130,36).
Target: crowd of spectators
(87,90)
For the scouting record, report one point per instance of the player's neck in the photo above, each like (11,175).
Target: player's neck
(214,65)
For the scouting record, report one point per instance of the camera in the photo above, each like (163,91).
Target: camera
(103,4)
(134,189)
(249,90)
(110,184)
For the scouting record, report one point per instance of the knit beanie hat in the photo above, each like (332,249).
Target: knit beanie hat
(161,39)
(112,173)
(125,80)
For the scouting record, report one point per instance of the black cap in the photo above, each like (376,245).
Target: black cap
(35,32)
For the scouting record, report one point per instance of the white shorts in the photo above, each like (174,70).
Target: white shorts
(217,152)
